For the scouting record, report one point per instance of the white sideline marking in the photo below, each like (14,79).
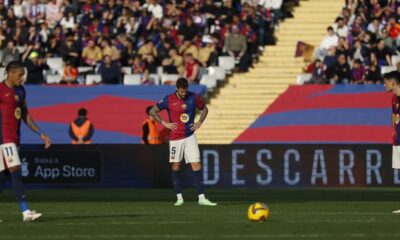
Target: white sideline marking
(186,236)
(125,214)
(59,222)
(106,236)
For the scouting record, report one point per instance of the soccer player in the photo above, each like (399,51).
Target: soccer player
(181,106)
(13,108)
(392,84)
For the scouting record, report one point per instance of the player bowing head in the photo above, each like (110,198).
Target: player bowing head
(13,109)
(181,107)
(391,81)
(182,88)
(15,73)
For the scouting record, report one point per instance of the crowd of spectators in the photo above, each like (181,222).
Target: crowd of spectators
(182,36)
(360,42)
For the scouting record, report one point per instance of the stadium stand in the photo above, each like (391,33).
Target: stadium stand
(342,113)
(247,95)
(112,38)
(363,45)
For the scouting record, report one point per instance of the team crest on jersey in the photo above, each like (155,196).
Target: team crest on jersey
(184,118)
(184,106)
(18,113)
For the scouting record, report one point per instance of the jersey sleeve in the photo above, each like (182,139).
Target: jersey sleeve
(394,100)
(163,103)
(199,102)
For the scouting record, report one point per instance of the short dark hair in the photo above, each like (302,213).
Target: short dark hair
(82,112)
(148,109)
(392,75)
(13,65)
(182,83)
(329,29)
(339,19)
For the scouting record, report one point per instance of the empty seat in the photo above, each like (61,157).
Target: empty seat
(160,70)
(21,49)
(209,80)
(169,78)
(227,63)
(395,60)
(302,78)
(127,70)
(217,72)
(132,79)
(2,72)
(156,78)
(386,69)
(93,79)
(202,71)
(55,64)
(84,69)
(53,79)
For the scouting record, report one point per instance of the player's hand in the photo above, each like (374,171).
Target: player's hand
(171,126)
(46,140)
(195,126)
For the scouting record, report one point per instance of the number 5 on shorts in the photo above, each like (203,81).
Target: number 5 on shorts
(172,156)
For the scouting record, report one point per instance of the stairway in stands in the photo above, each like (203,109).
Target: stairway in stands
(247,95)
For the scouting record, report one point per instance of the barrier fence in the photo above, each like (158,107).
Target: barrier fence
(223,166)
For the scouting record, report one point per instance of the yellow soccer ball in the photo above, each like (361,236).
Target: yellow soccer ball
(258,212)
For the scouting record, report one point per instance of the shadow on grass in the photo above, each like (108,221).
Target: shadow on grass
(88,217)
(230,196)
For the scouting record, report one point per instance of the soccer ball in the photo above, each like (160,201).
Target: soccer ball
(258,212)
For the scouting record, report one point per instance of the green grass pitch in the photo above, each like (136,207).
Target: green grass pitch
(150,214)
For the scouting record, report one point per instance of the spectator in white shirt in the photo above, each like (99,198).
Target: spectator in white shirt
(19,9)
(35,11)
(68,22)
(340,27)
(275,7)
(155,8)
(375,27)
(53,12)
(330,40)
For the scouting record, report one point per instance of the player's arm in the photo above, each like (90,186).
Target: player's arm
(203,116)
(154,113)
(204,111)
(32,125)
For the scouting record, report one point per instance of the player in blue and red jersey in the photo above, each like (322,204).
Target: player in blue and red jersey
(13,109)
(392,84)
(181,106)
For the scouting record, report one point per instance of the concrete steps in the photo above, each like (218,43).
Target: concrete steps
(246,96)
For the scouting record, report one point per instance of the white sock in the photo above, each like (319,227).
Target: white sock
(179,196)
(202,197)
